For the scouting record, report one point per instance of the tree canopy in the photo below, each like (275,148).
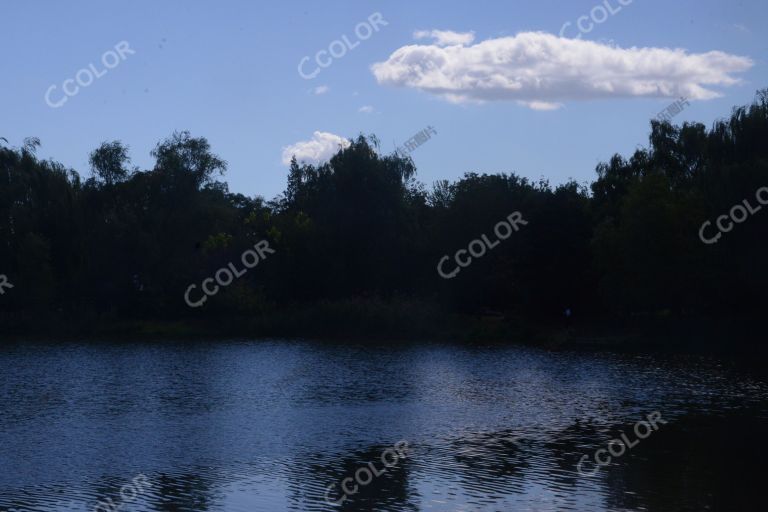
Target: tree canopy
(129,241)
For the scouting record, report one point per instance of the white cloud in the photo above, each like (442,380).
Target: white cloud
(741,28)
(446,37)
(321,89)
(366,109)
(541,105)
(320,148)
(542,70)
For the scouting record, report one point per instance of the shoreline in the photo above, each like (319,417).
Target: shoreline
(396,323)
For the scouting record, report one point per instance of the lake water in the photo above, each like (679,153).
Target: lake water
(281,425)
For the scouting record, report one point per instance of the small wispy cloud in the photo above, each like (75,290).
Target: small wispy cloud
(446,37)
(366,109)
(741,28)
(541,105)
(321,89)
(320,148)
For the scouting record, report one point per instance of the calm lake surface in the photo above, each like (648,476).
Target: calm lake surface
(278,425)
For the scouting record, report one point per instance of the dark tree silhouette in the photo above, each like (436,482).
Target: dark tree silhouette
(361,231)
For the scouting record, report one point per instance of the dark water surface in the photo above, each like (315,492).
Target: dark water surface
(273,425)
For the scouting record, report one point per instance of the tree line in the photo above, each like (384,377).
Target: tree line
(129,242)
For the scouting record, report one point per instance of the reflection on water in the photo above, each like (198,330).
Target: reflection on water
(248,426)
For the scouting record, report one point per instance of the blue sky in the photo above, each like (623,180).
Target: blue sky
(229,71)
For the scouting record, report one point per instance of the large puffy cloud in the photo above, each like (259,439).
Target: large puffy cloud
(542,70)
(320,148)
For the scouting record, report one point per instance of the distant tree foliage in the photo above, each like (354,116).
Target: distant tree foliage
(130,241)
(108,162)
